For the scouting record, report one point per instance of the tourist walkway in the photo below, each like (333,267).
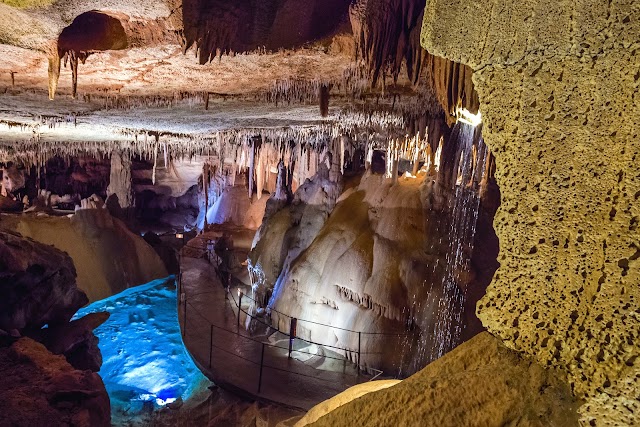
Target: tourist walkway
(257,363)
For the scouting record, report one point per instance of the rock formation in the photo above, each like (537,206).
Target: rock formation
(39,388)
(38,285)
(479,383)
(120,180)
(556,84)
(394,259)
(558,88)
(54,383)
(108,257)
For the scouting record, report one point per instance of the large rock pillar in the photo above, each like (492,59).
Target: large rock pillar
(120,179)
(558,83)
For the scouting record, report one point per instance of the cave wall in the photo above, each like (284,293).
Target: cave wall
(558,87)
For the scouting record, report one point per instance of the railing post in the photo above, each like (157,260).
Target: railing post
(261,365)
(240,295)
(292,333)
(210,344)
(359,344)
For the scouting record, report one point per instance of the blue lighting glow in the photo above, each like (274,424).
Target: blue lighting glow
(144,359)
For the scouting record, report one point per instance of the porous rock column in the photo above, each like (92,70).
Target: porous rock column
(558,83)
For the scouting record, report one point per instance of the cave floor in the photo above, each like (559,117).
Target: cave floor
(230,354)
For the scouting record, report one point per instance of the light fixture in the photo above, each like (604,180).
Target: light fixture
(466,117)
(179,236)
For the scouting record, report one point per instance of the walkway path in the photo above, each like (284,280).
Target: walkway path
(253,364)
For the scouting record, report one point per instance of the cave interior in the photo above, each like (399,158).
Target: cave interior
(309,213)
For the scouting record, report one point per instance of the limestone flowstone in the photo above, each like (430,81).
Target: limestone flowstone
(558,86)
(480,383)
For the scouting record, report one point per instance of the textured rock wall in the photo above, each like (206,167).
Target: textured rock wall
(558,85)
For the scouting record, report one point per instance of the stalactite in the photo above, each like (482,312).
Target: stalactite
(252,165)
(54,73)
(324,100)
(221,27)
(387,34)
(155,159)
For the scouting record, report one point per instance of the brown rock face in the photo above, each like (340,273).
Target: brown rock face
(220,26)
(37,284)
(93,30)
(41,389)
(76,341)
(558,85)
(480,383)
(387,34)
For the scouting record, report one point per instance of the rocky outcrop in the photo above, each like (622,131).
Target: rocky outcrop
(290,224)
(558,87)
(42,389)
(479,383)
(396,260)
(37,285)
(107,256)
(39,296)
(75,341)
(12,179)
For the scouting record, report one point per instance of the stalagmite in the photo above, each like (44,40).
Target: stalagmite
(281,182)
(324,100)
(120,179)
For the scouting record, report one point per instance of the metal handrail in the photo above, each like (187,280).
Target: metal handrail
(331,326)
(297,337)
(183,300)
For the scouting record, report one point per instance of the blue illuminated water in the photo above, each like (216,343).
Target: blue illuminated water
(144,359)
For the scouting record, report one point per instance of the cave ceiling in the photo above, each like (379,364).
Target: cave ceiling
(114,70)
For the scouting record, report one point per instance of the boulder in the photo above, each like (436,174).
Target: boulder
(108,257)
(37,284)
(76,341)
(39,388)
